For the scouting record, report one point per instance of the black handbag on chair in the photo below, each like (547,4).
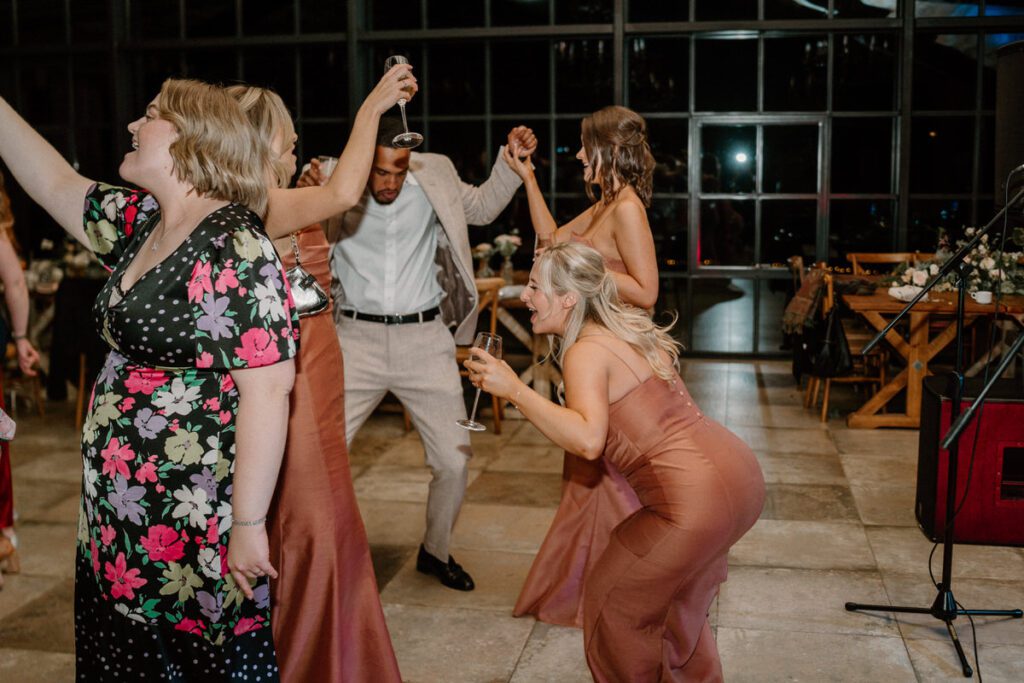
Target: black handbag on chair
(831,355)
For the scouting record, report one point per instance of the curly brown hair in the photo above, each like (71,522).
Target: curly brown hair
(615,139)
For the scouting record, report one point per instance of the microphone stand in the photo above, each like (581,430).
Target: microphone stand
(945,607)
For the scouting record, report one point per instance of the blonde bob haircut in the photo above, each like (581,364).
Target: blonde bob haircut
(268,113)
(217,151)
(615,140)
(579,269)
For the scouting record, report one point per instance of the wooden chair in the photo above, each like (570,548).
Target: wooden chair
(487,300)
(868,369)
(858,260)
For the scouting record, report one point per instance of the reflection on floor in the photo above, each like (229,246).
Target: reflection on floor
(838,526)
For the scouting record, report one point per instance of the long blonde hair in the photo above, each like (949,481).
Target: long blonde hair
(577,268)
(217,150)
(615,140)
(268,113)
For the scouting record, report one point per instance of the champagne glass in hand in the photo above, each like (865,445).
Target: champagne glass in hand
(491,343)
(406,140)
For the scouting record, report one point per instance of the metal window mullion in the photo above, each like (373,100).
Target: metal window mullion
(618,42)
(902,150)
(976,151)
(693,179)
(488,91)
(552,128)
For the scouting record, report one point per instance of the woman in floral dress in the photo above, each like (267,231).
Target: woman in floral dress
(187,423)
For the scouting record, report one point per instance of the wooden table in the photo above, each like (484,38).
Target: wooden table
(922,342)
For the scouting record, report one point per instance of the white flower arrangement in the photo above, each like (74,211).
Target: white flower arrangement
(507,245)
(989,269)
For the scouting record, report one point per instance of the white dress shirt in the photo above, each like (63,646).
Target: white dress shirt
(384,257)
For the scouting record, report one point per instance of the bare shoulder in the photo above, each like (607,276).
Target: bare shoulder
(630,213)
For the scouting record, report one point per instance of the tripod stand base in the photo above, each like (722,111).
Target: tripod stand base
(945,610)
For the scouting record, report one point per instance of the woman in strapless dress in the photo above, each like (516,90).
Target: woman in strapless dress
(700,488)
(326,615)
(617,159)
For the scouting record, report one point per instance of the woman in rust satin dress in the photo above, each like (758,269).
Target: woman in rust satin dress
(595,496)
(646,598)
(326,615)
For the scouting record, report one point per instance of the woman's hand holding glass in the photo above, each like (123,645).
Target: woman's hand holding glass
(397,85)
(493,375)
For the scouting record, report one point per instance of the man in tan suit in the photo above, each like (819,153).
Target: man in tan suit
(404,295)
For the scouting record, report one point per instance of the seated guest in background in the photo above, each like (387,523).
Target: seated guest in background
(325,608)
(646,598)
(186,426)
(16,297)
(404,295)
(617,159)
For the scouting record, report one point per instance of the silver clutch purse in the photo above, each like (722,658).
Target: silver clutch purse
(307,294)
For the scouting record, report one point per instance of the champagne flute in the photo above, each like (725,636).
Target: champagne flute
(406,140)
(491,343)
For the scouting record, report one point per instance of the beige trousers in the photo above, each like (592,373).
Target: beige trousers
(415,362)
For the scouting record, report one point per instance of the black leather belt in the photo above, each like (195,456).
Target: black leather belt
(421,317)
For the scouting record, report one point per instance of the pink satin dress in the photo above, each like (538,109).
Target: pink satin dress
(647,597)
(595,499)
(326,615)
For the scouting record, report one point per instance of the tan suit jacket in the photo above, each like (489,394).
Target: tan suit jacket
(457,205)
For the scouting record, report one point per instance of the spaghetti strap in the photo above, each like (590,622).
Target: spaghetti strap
(614,353)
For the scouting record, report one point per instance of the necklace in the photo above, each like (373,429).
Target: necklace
(158,240)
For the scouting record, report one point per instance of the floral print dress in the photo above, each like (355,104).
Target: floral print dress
(154,598)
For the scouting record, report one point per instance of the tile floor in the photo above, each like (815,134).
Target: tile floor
(838,526)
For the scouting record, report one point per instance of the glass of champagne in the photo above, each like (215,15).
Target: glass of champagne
(491,343)
(406,140)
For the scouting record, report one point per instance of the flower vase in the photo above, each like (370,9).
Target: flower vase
(485,269)
(506,270)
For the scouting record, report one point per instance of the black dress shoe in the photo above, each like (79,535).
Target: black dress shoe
(450,573)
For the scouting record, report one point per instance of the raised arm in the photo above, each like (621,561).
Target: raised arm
(40,169)
(484,203)
(293,209)
(635,243)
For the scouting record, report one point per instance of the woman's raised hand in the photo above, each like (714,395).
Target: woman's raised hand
(397,84)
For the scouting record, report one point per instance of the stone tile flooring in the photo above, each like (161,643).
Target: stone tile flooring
(838,526)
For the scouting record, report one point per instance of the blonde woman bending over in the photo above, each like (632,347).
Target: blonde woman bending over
(646,598)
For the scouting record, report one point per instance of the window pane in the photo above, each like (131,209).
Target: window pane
(150,19)
(455,79)
(775,294)
(96,152)
(987,181)
(583,75)
(213,66)
(94,92)
(90,22)
(274,68)
(463,143)
(710,10)
(320,138)
(386,15)
(947,8)
(44,90)
(41,21)
(659,74)
(945,71)
(209,18)
(859,225)
(790,159)
(324,81)
(568,169)
(658,10)
(446,14)
(993,42)
(323,16)
(723,315)
(268,17)
(567,208)
(728,158)
(941,154)
(668,218)
(796,73)
(788,227)
(6,22)
(1004,8)
(520,77)
(726,233)
(865,72)
(929,218)
(583,11)
(519,13)
(861,155)
(669,140)
(726,75)
(788,9)
(149,70)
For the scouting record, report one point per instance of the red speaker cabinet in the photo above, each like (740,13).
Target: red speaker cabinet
(993,511)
